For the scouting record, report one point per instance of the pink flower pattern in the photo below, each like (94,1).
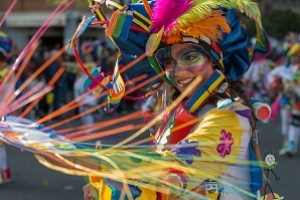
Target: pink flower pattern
(226,142)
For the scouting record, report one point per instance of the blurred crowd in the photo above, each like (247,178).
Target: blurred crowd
(276,80)
(70,84)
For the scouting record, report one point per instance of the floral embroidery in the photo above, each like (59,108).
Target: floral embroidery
(226,142)
(186,150)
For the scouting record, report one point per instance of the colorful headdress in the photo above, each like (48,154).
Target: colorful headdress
(130,28)
(213,24)
(216,25)
(5,43)
(139,29)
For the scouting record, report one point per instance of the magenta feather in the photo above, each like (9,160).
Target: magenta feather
(165,12)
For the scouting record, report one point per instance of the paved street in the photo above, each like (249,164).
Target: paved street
(32,181)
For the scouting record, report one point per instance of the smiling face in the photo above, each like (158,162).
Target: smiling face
(184,63)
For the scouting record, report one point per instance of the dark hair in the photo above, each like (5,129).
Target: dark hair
(238,88)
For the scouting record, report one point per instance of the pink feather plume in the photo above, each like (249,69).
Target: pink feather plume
(165,12)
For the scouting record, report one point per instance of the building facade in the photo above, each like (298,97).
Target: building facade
(27,16)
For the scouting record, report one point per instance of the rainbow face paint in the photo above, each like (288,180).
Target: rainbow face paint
(182,58)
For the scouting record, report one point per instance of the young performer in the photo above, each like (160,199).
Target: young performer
(207,147)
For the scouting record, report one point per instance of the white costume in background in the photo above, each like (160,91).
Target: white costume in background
(89,100)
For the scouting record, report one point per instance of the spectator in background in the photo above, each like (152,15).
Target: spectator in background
(107,53)
(89,100)
(60,86)
(256,79)
(282,81)
(5,48)
(292,92)
(44,103)
(72,69)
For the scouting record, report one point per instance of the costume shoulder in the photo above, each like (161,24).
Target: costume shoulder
(228,123)
(227,112)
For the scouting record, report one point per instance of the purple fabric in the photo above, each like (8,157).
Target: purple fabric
(186,150)
(227,141)
(245,113)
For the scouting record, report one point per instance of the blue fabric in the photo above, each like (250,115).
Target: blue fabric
(126,27)
(256,172)
(5,43)
(284,100)
(117,187)
(133,47)
(234,46)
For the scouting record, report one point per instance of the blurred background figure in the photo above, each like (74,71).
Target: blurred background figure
(60,86)
(293,91)
(256,77)
(71,70)
(5,48)
(89,99)
(55,99)
(282,80)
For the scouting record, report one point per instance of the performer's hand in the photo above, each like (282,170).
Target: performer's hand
(88,192)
